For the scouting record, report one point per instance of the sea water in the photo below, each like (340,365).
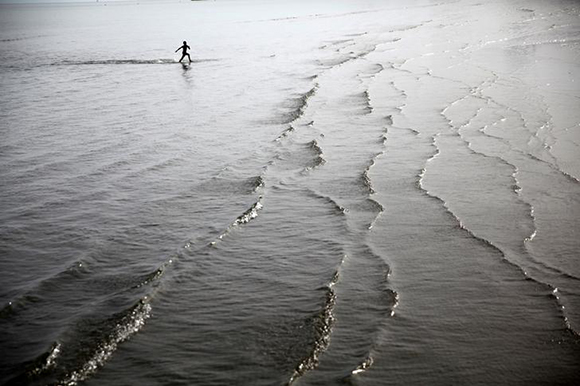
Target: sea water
(349,192)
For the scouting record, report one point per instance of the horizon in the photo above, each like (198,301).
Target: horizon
(17,2)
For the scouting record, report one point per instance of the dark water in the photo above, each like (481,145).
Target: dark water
(356,192)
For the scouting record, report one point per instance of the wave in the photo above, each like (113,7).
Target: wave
(409,27)
(124,62)
(343,52)
(229,185)
(339,42)
(299,105)
(365,365)
(20,38)
(552,289)
(368,108)
(74,271)
(390,41)
(77,271)
(250,214)
(517,189)
(285,133)
(48,359)
(319,159)
(86,341)
(386,300)
(532,134)
(41,365)
(461,131)
(322,324)
(334,61)
(553,165)
(366,182)
(368,361)
(359,316)
(121,328)
(151,277)
(83,350)
(85,346)
(311,16)
(337,207)
(343,58)
(377,208)
(256,183)
(365,178)
(244,218)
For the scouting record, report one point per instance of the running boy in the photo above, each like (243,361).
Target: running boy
(184,47)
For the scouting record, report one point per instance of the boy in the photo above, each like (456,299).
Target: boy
(184,47)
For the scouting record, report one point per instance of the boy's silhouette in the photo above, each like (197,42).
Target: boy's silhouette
(184,47)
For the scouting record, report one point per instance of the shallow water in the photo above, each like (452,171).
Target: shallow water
(361,192)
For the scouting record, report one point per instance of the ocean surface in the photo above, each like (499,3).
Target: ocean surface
(353,192)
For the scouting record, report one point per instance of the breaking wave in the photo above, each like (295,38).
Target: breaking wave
(125,62)
(322,325)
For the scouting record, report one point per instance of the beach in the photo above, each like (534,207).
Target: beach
(358,192)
